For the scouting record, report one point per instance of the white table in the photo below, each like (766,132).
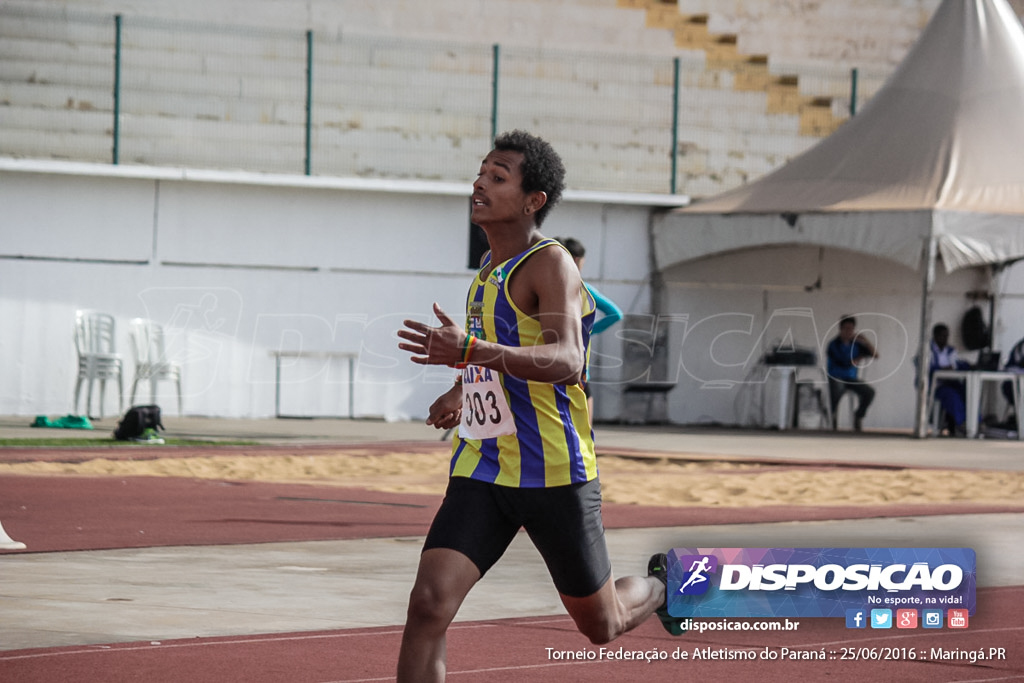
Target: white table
(649,391)
(278,355)
(974,383)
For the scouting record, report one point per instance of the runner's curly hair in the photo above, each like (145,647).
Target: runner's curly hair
(542,168)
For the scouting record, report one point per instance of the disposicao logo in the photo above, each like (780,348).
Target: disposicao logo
(695,579)
(818,582)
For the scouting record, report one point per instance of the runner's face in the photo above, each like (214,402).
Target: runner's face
(498,190)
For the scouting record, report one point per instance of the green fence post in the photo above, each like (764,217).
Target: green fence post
(853,91)
(309,101)
(675,121)
(117,88)
(496,51)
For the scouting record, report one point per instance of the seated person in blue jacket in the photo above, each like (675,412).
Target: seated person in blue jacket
(949,393)
(844,354)
(610,313)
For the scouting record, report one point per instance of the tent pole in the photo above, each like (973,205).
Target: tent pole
(994,273)
(924,347)
(657,281)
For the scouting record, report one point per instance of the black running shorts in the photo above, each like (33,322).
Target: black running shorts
(480,520)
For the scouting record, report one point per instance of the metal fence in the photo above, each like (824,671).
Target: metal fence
(130,90)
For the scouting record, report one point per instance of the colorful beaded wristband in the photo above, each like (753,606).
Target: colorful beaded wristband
(467,351)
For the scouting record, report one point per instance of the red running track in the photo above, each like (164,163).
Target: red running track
(534,650)
(54,513)
(134,512)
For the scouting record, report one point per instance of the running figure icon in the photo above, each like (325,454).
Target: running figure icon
(697,573)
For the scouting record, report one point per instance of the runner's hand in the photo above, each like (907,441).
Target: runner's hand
(433,345)
(446,411)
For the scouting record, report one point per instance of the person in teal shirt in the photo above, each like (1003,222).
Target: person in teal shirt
(610,313)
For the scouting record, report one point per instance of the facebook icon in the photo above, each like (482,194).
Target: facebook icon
(856,618)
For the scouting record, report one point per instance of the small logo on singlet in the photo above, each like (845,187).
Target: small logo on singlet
(497,277)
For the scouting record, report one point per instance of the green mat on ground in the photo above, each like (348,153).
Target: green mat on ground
(66,422)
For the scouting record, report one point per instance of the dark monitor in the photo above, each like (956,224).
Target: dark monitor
(988,360)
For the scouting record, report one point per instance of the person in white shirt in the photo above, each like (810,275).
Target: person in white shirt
(949,393)
(1014,363)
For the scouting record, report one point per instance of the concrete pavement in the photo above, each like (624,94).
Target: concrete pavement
(110,596)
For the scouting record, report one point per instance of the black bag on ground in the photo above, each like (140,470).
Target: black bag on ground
(137,420)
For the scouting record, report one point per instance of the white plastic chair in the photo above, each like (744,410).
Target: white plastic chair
(98,360)
(151,359)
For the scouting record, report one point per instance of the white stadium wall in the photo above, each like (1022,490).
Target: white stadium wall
(237,266)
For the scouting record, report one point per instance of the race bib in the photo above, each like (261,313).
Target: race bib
(485,412)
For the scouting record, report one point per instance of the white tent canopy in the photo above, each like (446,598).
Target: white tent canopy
(931,166)
(934,155)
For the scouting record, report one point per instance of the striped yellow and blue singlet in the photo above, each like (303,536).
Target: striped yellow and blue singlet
(553,444)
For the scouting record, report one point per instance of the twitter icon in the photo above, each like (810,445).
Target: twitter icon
(881,618)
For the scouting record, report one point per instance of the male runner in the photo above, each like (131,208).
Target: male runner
(523,456)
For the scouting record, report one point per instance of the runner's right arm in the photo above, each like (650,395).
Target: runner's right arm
(446,411)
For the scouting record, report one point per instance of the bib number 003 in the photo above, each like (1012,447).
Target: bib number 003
(485,411)
(479,409)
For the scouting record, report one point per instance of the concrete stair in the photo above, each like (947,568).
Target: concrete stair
(751,73)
